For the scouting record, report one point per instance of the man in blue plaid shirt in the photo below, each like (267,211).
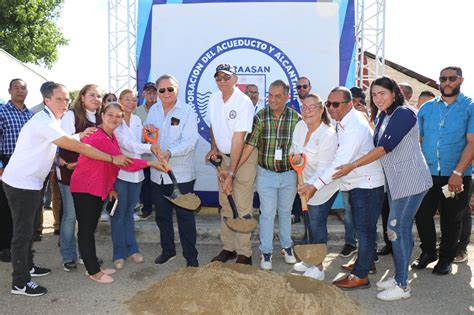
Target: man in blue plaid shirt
(13,115)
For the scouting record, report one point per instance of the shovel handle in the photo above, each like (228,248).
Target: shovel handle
(170,174)
(217,161)
(304,202)
(147,135)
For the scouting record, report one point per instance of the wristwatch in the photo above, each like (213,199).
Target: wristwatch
(457,173)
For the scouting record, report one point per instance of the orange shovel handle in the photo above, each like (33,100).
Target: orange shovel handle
(299,170)
(147,135)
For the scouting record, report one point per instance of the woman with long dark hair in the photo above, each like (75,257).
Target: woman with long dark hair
(396,141)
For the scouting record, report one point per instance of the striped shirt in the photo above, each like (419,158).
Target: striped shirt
(404,165)
(12,120)
(270,135)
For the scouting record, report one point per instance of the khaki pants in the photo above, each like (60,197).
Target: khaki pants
(243,196)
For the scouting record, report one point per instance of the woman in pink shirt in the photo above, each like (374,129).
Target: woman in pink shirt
(92,181)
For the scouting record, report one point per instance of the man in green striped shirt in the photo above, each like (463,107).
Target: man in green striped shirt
(276,182)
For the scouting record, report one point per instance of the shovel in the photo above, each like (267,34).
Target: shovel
(187,201)
(247,224)
(150,136)
(304,206)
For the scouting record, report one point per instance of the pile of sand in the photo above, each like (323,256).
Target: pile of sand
(238,289)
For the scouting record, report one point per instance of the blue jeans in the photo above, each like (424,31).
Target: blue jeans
(67,238)
(349,227)
(123,225)
(276,191)
(399,231)
(318,219)
(366,206)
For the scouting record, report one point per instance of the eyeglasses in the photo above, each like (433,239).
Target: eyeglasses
(334,104)
(302,86)
(169,89)
(252,92)
(225,77)
(451,78)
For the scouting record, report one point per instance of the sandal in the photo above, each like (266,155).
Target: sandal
(104,279)
(137,258)
(119,263)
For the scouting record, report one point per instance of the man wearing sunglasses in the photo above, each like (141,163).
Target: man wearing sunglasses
(447,141)
(230,114)
(303,87)
(365,185)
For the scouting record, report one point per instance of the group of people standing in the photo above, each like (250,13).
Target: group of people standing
(370,154)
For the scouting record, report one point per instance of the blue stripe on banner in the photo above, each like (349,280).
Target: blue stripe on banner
(346,43)
(351,74)
(144,62)
(144,9)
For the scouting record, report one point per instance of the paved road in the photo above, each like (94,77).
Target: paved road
(74,293)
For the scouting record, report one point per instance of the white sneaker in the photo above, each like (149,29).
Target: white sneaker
(315,273)
(105,217)
(301,267)
(266,262)
(289,256)
(394,293)
(386,284)
(136,217)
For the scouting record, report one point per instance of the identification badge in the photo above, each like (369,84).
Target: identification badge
(278,154)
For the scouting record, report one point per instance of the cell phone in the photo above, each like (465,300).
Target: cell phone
(114,206)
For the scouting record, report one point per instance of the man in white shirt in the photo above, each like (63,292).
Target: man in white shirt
(230,113)
(177,126)
(24,176)
(365,184)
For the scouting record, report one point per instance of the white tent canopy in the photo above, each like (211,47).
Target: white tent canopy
(12,68)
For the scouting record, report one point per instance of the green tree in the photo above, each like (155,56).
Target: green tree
(29,32)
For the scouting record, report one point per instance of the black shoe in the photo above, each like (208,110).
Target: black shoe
(164,258)
(5,255)
(244,260)
(386,250)
(224,256)
(68,266)
(423,261)
(192,263)
(376,259)
(37,237)
(37,271)
(443,267)
(348,250)
(30,289)
(56,232)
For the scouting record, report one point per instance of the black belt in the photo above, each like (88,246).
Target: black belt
(280,171)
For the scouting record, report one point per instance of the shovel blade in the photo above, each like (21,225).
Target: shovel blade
(188,201)
(241,225)
(311,254)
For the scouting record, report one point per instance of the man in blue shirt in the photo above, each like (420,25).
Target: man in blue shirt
(13,115)
(446,126)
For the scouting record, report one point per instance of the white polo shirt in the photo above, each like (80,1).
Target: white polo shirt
(235,115)
(355,139)
(34,152)
(129,140)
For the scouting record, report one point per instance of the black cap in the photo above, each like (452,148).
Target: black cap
(227,68)
(149,85)
(45,86)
